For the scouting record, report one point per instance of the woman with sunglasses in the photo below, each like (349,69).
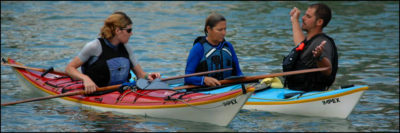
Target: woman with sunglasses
(107,60)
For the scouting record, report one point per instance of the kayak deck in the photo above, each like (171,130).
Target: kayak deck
(218,109)
(278,94)
(55,84)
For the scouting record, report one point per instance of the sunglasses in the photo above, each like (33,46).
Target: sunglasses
(128,30)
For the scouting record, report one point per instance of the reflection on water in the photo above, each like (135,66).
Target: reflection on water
(44,34)
(264,121)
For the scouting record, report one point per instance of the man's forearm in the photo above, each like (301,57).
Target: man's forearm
(298,35)
(325,63)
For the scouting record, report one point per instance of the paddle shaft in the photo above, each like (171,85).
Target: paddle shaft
(31,68)
(163,79)
(195,74)
(254,78)
(98,89)
(80,92)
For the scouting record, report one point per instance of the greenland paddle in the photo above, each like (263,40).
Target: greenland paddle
(159,84)
(247,79)
(61,95)
(32,68)
(108,88)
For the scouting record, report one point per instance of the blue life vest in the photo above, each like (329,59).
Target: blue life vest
(215,59)
(110,68)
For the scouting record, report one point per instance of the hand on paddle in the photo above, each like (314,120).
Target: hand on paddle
(210,81)
(90,86)
(152,76)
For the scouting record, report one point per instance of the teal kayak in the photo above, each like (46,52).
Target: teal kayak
(337,103)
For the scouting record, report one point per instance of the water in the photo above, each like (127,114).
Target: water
(44,34)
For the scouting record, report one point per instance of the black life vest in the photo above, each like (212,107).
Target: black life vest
(315,81)
(112,67)
(215,59)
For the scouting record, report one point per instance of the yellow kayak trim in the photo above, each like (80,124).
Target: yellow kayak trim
(249,89)
(307,100)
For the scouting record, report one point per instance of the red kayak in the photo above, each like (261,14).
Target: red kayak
(217,109)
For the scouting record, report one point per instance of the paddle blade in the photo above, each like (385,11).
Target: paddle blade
(158,84)
(155,84)
(142,83)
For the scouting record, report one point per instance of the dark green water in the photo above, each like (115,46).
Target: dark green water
(44,34)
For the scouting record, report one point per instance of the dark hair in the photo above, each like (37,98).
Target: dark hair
(212,20)
(323,12)
(115,20)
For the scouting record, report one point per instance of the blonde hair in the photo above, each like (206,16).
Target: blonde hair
(115,20)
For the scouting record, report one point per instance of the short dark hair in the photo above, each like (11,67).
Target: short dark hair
(323,12)
(212,20)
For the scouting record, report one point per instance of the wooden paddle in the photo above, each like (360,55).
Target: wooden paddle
(32,68)
(106,88)
(255,78)
(163,79)
(196,74)
(61,95)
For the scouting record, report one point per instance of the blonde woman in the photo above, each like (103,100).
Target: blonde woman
(107,60)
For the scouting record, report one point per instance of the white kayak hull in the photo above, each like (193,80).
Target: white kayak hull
(337,105)
(217,113)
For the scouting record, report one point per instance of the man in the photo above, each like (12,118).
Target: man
(313,51)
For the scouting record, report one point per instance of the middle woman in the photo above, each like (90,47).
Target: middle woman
(212,52)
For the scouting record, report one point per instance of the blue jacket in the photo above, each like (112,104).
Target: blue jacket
(197,54)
